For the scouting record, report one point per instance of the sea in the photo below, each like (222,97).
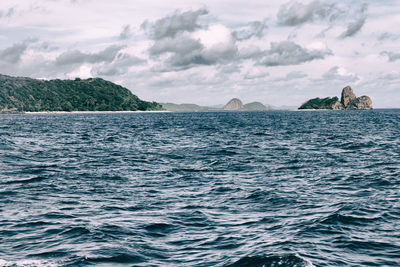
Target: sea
(273,188)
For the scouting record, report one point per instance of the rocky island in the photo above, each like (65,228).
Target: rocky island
(348,101)
(20,94)
(236,104)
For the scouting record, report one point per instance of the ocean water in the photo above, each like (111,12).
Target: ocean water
(200,189)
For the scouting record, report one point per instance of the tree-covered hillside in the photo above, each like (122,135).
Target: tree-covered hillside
(94,94)
(320,103)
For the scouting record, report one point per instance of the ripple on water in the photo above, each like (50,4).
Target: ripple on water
(200,189)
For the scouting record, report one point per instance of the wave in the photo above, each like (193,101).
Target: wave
(28,263)
(36,179)
(272,261)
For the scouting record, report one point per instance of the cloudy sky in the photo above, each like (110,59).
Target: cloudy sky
(207,52)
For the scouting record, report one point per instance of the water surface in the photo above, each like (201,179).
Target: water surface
(200,189)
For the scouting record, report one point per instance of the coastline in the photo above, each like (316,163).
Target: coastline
(93,112)
(312,109)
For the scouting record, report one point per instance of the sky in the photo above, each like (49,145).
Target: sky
(207,52)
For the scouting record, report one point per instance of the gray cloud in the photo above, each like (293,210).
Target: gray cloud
(119,66)
(389,76)
(14,53)
(230,68)
(295,13)
(252,75)
(391,55)
(250,52)
(289,53)
(78,57)
(355,26)
(171,25)
(193,53)
(183,51)
(295,75)
(180,45)
(7,14)
(387,36)
(335,74)
(253,29)
(125,33)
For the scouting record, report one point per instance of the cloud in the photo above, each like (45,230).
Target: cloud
(388,36)
(295,13)
(294,75)
(289,53)
(171,25)
(125,33)
(179,45)
(206,47)
(253,29)
(13,54)
(7,14)
(119,66)
(390,76)
(341,74)
(182,51)
(255,73)
(78,57)
(250,52)
(355,26)
(391,55)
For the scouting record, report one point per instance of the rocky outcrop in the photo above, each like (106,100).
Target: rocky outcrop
(362,102)
(348,101)
(347,96)
(234,104)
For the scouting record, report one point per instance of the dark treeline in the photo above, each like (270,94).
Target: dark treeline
(319,103)
(25,94)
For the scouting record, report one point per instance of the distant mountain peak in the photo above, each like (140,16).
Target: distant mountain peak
(234,104)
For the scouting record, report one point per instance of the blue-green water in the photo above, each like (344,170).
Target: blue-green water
(200,189)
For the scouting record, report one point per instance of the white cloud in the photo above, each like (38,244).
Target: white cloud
(338,73)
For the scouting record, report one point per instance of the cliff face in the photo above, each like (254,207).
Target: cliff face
(362,102)
(347,96)
(234,104)
(348,101)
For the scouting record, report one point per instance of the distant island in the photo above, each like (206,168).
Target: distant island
(187,107)
(234,104)
(348,101)
(20,94)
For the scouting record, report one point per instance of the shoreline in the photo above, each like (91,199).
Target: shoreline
(92,112)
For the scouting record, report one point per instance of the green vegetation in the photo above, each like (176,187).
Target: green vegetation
(255,106)
(18,94)
(320,103)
